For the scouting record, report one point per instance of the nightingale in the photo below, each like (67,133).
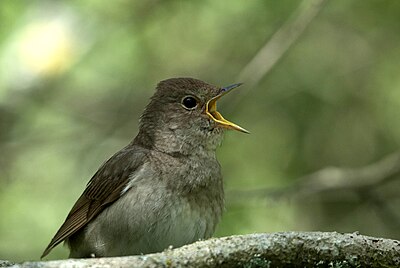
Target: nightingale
(164,188)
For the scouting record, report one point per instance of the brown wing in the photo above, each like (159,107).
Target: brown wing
(103,188)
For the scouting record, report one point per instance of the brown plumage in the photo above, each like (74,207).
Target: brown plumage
(103,189)
(164,188)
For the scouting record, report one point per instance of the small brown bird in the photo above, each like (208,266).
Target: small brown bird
(164,188)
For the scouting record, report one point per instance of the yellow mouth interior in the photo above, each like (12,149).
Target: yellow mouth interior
(211,111)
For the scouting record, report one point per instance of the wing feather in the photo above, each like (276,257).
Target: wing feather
(105,187)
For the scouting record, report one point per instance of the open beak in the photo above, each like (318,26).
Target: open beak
(211,110)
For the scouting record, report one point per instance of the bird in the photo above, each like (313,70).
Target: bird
(164,188)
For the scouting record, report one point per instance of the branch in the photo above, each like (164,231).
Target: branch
(356,179)
(294,249)
(280,42)
(331,179)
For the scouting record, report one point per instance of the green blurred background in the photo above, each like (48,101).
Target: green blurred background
(76,75)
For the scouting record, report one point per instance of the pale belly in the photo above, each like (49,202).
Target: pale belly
(146,223)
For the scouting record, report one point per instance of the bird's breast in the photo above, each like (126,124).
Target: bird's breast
(193,200)
(168,203)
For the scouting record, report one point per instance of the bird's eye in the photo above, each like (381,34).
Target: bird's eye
(189,103)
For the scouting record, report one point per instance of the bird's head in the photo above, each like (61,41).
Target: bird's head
(182,117)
